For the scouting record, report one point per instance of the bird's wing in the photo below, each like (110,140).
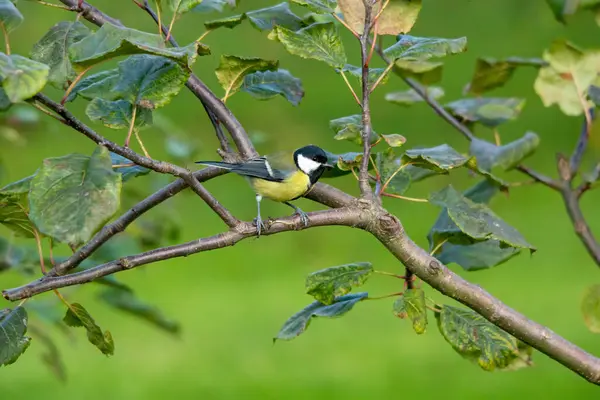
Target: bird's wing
(262,167)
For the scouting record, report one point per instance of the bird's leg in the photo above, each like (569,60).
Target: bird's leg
(303,216)
(258,220)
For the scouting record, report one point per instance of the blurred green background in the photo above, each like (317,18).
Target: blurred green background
(231,302)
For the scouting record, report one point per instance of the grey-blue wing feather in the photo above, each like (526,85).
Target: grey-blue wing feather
(257,168)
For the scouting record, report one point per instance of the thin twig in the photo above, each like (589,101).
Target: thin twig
(351,88)
(551,183)
(582,143)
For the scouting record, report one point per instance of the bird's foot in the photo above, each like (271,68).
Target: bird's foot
(303,216)
(260,225)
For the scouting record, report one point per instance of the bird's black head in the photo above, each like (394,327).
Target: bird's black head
(311,160)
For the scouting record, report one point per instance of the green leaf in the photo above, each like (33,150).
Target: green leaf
(476,256)
(440,158)
(342,163)
(350,128)
(226,22)
(478,340)
(97,85)
(10,17)
(327,284)
(426,72)
(233,69)
(149,81)
(214,5)
(594,94)
(399,16)
(570,71)
(111,41)
(507,156)
(14,214)
(53,50)
(128,171)
(73,196)
(299,322)
(590,307)
(319,41)
(13,327)
(491,73)
(129,303)
(77,316)
(374,73)
(182,6)
(394,140)
(471,222)
(410,97)
(318,6)
(423,48)
(412,305)
(22,78)
(117,114)
(281,15)
(489,111)
(265,85)
(399,181)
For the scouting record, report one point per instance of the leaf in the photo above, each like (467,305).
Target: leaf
(182,6)
(412,305)
(507,156)
(111,41)
(97,85)
(399,16)
(227,22)
(327,284)
(13,327)
(319,41)
(10,17)
(478,340)
(491,73)
(214,5)
(410,97)
(476,256)
(399,181)
(299,322)
(590,307)
(423,48)
(565,80)
(73,196)
(440,158)
(22,78)
(489,111)
(149,81)
(14,214)
(426,72)
(265,85)
(472,222)
(374,74)
(129,171)
(53,50)
(77,316)
(342,163)
(318,6)
(281,15)
(394,140)
(127,302)
(350,128)
(233,69)
(117,114)
(594,94)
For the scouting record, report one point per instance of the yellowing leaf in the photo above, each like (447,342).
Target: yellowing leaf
(399,16)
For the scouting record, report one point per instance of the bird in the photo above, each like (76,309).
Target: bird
(279,177)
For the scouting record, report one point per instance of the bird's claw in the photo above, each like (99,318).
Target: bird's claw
(260,225)
(303,216)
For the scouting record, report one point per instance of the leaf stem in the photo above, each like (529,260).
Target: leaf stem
(204,35)
(49,113)
(62,7)
(341,21)
(377,175)
(387,182)
(388,274)
(387,296)
(159,17)
(397,196)
(172,21)
(72,85)
(139,140)
(497,137)
(351,89)
(6,39)
(38,242)
(382,76)
(438,246)
(131,125)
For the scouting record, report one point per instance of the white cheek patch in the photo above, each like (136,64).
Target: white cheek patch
(307,165)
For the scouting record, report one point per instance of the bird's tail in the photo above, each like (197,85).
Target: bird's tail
(218,164)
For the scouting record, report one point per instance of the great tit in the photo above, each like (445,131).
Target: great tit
(277,178)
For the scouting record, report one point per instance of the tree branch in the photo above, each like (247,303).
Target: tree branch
(363,176)
(194,84)
(581,146)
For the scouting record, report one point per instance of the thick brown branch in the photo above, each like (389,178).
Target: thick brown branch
(194,84)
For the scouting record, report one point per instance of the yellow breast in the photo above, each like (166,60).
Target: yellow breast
(294,186)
